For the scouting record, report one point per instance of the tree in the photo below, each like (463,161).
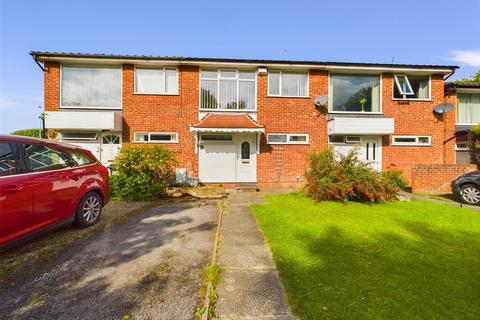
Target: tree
(473,79)
(27,133)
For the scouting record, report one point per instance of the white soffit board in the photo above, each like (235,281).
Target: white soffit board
(83,120)
(361,126)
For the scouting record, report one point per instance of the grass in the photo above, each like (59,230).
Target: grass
(398,260)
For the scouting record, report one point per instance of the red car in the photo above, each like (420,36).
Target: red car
(45,184)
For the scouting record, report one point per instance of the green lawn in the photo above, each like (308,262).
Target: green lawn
(398,260)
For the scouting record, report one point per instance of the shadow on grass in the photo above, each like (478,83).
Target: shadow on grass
(429,274)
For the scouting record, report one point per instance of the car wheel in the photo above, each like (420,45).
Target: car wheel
(470,194)
(89,210)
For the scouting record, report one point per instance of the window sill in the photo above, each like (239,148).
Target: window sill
(91,108)
(155,94)
(354,112)
(411,145)
(420,100)
(290,97)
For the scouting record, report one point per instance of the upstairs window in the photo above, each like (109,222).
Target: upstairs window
(227,90)
(411,87)
(354,93)
(91,87)
(287,84)
(468,109)
(156,80)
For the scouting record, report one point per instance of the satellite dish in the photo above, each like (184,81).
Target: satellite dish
(321,101)
(443,107)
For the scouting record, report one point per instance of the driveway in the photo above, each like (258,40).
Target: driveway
(146,267)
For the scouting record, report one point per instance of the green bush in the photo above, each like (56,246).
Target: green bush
(344,178)
(143,172)
(35,133)
(395,177)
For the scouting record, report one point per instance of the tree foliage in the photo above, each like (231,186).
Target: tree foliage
(35,133)
(473,79)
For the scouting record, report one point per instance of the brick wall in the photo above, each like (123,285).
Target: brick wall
(51,85)
(284,165)
(164,113)
(437,178)
(417,118)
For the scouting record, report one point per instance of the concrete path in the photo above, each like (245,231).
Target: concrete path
(251,287)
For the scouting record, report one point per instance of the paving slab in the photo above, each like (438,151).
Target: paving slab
(251,287)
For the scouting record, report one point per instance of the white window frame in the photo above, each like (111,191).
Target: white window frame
(164,80)
(416,143)
(330,92)
(200,78)
(61,137)
(288,138)
(405,96)
(457,148)
(90,66)
(216,134)
(172,134)
(280,83)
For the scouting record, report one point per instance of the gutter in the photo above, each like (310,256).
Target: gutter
(34,57)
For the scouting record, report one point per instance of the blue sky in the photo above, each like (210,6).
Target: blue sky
(421,32)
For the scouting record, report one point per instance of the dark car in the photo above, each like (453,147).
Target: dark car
(45,184)
(467,187)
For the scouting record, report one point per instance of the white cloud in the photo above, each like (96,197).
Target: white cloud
(466,57)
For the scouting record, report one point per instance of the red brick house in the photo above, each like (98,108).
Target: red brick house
(249,121)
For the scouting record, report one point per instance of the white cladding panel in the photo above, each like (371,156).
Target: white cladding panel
(361,126)
(88,120)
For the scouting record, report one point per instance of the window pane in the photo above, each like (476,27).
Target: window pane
(216,137)
(403,85)
(299,138)
(171,85)
(44,158)
(91,87)
(420,86)
(274,83)
(228,94)
(210,74)
(294,84)
(355,93)
(423,140)
(336,139)
(79,136)
(246,75)
(468,108)
(228,74)
(245,150)
(246,95)
(277,138)
(8,164)
(140,137)
(149,80)
(405,139)
(160,137)
(209,94)
(80,158)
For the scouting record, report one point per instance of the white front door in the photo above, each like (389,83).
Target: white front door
(371,151)
(246,166)
(227,158)
(111,145)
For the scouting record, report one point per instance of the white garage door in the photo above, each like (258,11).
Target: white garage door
(217,162)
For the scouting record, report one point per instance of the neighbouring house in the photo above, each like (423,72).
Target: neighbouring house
(466,98)
(249,121)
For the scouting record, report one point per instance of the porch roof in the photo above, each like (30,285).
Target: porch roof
(227,123)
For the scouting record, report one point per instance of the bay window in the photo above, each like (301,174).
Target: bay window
(91,87)
(414,87)
(288,84)
(227,90)
(468,111)
(354,93)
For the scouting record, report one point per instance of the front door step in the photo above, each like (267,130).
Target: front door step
(246,186)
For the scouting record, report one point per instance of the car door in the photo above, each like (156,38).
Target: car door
(15,194)
(55,184)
